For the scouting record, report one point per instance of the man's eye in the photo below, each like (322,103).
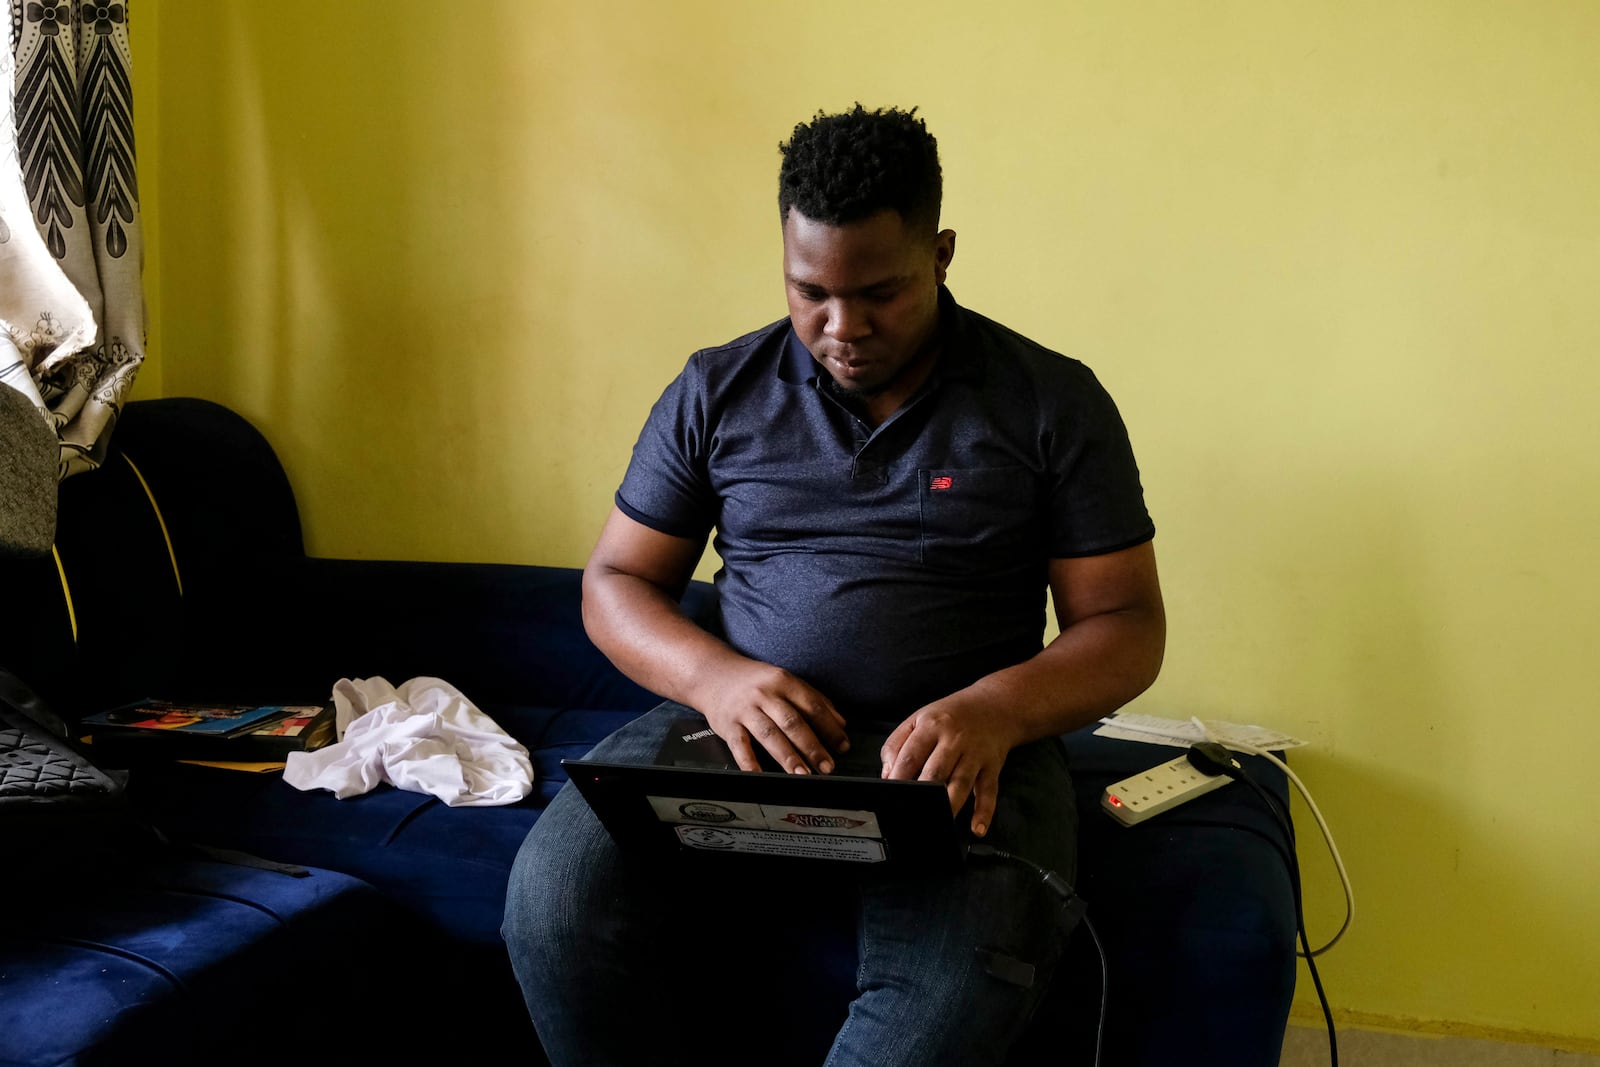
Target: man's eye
(811,295)
(881,296)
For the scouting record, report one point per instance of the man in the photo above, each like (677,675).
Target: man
(894,482)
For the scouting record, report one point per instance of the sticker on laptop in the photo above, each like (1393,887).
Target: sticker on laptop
(821,821)
(708,812)
(780,843)
(778,817)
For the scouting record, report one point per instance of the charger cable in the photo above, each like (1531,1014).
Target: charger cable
(1322,824)
(1215,757)
(1074,904)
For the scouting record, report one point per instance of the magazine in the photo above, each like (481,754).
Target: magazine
(163,729)
(224,719)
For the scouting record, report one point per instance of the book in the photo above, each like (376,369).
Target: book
(245,766)
(163,729)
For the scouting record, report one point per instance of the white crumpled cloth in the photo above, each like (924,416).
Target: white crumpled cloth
(424,736)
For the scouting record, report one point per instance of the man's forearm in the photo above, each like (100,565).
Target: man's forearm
(643,631)
(1091,669)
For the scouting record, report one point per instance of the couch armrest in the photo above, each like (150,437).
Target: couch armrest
(1196,910)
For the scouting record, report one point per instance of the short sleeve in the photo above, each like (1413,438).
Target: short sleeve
(1096,500)
(667,487)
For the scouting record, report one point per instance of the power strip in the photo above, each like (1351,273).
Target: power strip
(1161,788)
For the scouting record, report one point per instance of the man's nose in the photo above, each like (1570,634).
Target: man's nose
(847,322)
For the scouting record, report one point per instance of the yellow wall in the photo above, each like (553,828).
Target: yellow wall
(1338,263)
(144,33)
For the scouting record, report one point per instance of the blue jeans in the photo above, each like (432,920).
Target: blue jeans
(628,960)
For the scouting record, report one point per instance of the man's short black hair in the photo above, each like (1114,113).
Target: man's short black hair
(844,168)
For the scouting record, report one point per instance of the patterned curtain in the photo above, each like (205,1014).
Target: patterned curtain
(71,252)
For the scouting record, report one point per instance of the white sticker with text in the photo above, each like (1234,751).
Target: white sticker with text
(781,843)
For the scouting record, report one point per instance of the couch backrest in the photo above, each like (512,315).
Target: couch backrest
(189,493)
(179,572)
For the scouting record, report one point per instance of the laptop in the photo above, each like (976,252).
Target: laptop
(694,801)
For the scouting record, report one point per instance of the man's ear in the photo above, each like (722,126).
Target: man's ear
(944,250)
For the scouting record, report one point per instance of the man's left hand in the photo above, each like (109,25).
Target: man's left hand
(961,746)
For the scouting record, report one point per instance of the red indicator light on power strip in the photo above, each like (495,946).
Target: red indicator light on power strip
(1116,801)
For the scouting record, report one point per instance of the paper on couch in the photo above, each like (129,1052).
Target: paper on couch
(425,737)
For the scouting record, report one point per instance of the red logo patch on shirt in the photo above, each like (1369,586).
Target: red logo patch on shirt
(941,482)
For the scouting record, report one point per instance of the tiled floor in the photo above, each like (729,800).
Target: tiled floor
(1306,1047)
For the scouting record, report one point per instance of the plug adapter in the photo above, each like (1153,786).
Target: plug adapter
(1161,788)
(1212,758)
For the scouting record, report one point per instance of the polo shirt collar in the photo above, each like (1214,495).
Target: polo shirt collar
(960,357)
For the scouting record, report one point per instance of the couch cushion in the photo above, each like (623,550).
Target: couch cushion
(449,866)
(161,964)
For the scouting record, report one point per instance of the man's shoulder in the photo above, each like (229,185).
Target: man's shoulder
(769,339)
(1006,352)
(756,368)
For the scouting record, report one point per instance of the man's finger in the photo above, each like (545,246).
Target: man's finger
(913,754)
(822,707)
(986,793)
(743,754)
(891,746)
(941,766)
(826,723)
(959,786)
(772,738)
(797,729)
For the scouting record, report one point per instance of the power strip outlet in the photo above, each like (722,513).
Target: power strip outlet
(1161,788)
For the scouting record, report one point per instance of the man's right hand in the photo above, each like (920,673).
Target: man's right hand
(755,703)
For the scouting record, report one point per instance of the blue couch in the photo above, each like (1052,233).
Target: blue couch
(180,572)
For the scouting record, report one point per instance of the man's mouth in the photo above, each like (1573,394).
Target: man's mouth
(851,363)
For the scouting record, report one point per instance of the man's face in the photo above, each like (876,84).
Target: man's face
(864,297)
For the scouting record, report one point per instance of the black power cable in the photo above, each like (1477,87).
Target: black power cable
(1075,904)
(1212,758)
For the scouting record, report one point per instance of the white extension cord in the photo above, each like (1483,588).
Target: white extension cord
(1161,788)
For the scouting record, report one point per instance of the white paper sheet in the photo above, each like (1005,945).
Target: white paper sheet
(1181,733)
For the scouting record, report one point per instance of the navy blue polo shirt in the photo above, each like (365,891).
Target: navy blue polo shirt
(888,567)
